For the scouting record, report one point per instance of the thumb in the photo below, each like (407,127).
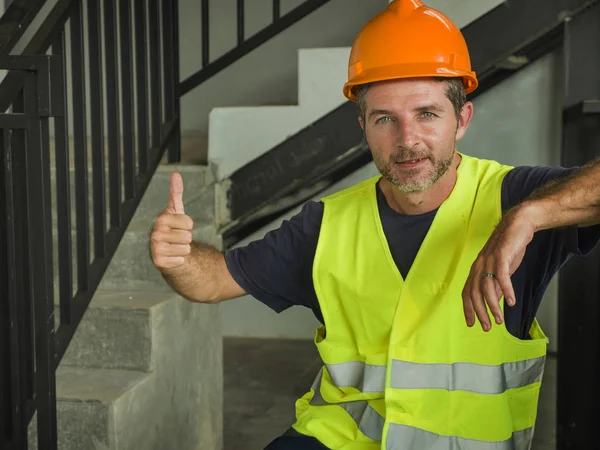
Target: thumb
(176,198)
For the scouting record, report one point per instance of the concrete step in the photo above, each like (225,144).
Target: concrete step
(87,400)
(86,404)
(116,331)
(177,405)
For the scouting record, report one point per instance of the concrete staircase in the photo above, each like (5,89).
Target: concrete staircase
(144,369)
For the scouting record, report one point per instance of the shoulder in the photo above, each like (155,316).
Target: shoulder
(276,268)
(362,186)
(296,229)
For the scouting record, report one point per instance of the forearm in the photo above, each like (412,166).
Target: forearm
(574,200)
(198,279)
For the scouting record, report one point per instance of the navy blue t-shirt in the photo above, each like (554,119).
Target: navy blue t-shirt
(277,269)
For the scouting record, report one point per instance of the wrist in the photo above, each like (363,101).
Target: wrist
(535,213)
(172,273)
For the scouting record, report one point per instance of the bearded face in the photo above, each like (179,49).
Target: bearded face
(412,128)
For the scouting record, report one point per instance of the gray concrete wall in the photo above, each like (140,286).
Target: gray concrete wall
(517,123)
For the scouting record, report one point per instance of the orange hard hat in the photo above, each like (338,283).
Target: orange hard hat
(406,40)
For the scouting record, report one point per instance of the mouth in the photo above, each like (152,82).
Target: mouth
(411,163)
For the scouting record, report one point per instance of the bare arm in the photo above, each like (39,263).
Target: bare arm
(573,200)
(570,201)
(194,270)
(204,276)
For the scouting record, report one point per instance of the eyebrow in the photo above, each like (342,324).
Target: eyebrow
(378,112)
(428,107)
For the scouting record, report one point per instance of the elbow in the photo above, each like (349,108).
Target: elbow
(203,299)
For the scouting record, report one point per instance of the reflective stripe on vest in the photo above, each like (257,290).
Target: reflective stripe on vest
(368,421)
(356,374)
(401,436)
(468,377)
(371,424)
(477,378)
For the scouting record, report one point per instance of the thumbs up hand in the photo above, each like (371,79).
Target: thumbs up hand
(171,238)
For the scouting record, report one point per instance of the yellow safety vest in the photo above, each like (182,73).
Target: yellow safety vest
(401,368)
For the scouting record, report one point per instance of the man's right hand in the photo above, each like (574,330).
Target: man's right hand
(171,238)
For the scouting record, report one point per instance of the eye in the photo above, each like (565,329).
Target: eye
(383,120)
(428,115)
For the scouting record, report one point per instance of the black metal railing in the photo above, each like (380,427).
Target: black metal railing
(244,44)
(121,83)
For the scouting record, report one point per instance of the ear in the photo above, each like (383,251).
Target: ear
(465,118)
(361,120)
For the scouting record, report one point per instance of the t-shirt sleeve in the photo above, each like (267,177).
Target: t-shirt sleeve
(277,269)
(522,181)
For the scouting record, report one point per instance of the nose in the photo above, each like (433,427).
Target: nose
(407,134)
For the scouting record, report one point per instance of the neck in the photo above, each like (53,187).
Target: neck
(413,203)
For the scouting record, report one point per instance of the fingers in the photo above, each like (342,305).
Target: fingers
(483,293)
(173,237)
(505,284)
(491,298)
(166,250)
(468,307)
(170,248)
(474,298)
(166,222)
(175,204)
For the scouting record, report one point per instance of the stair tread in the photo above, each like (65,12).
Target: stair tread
(130,299)
(103,385)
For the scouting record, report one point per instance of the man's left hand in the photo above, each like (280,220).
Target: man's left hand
(490,274)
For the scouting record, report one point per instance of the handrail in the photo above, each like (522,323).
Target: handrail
(15,20)
(40,42)
(244,46)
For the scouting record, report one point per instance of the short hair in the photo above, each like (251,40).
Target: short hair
(455,91)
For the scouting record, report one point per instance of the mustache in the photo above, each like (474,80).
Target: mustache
(407,155)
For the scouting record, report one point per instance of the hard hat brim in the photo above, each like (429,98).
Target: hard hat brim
(424,70)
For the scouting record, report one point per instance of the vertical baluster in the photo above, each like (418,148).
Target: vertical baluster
(141,83)
(11,410)
(240,21)
(168,60)
(97,124)
(112,107)
(40,254)
(63,194)
(175,146)
(155,73)
(80,147)
(23,289)
(127,98)
(276,9)
(205,34)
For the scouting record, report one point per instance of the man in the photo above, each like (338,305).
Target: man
(399,267)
